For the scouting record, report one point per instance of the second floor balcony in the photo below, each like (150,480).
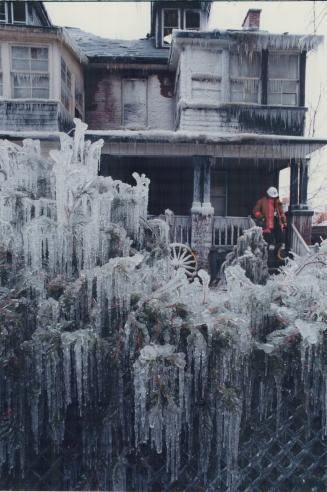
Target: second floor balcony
(246,118)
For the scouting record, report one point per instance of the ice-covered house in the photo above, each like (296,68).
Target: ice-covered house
(211,117)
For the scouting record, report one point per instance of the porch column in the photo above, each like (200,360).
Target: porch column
(299,214)
(294,185)
(197,165)
(206,205)
(202,212)
(304,178)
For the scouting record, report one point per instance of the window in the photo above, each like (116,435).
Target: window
(30,77)
(192,20)
(79,100)
(19,12)
(218,192)
(66,85)
(134,102)
(1,79)
(245,74)
(3,12)
(283,79)
(170,21)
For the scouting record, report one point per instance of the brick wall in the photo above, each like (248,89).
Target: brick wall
(104,100)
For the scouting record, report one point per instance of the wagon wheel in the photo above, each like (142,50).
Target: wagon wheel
(182,256)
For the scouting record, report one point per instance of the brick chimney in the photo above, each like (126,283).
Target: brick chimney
(252,20)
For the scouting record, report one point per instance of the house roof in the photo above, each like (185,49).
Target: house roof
(99,49)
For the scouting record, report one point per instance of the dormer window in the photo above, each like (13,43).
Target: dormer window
(13,12)
(19,12)
(171,20)
(3,12)
(192,20)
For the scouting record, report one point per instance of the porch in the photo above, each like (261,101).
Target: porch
(212,181)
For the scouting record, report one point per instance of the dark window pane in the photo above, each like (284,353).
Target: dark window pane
(39,53)
(192,19)
(19,11)
(2,12)
(171,18)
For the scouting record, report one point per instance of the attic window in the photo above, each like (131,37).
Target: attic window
(283,79)
(170,21)
(19,12)
(192,20)
(3,12)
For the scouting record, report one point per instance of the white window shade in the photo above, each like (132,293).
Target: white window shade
(245,72)
(134,102)
(283,79)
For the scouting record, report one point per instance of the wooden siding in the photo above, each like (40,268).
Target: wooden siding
(34,115)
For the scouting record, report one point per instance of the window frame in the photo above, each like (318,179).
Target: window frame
(135,125)
(6,14)
(184,19)
(12,14)
(223,195)
(65,90)
(163,24)
(1,74)
(257,79)
(30,72)
(284,80)
(79,90)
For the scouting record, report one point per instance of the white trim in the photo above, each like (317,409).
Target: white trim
(184,18)
(40,72)
(6,14)
(163,45)
(26,14)
(284,79)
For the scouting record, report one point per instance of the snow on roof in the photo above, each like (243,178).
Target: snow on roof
(250,40)
(96,47)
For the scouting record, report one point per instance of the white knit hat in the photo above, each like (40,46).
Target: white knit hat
(272,192)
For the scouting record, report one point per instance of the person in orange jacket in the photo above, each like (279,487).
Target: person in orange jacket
(270,213)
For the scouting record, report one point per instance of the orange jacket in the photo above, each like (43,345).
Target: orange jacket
(264,210)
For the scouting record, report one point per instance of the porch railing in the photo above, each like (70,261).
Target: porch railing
(227,230)
(298,244)
(180,230)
